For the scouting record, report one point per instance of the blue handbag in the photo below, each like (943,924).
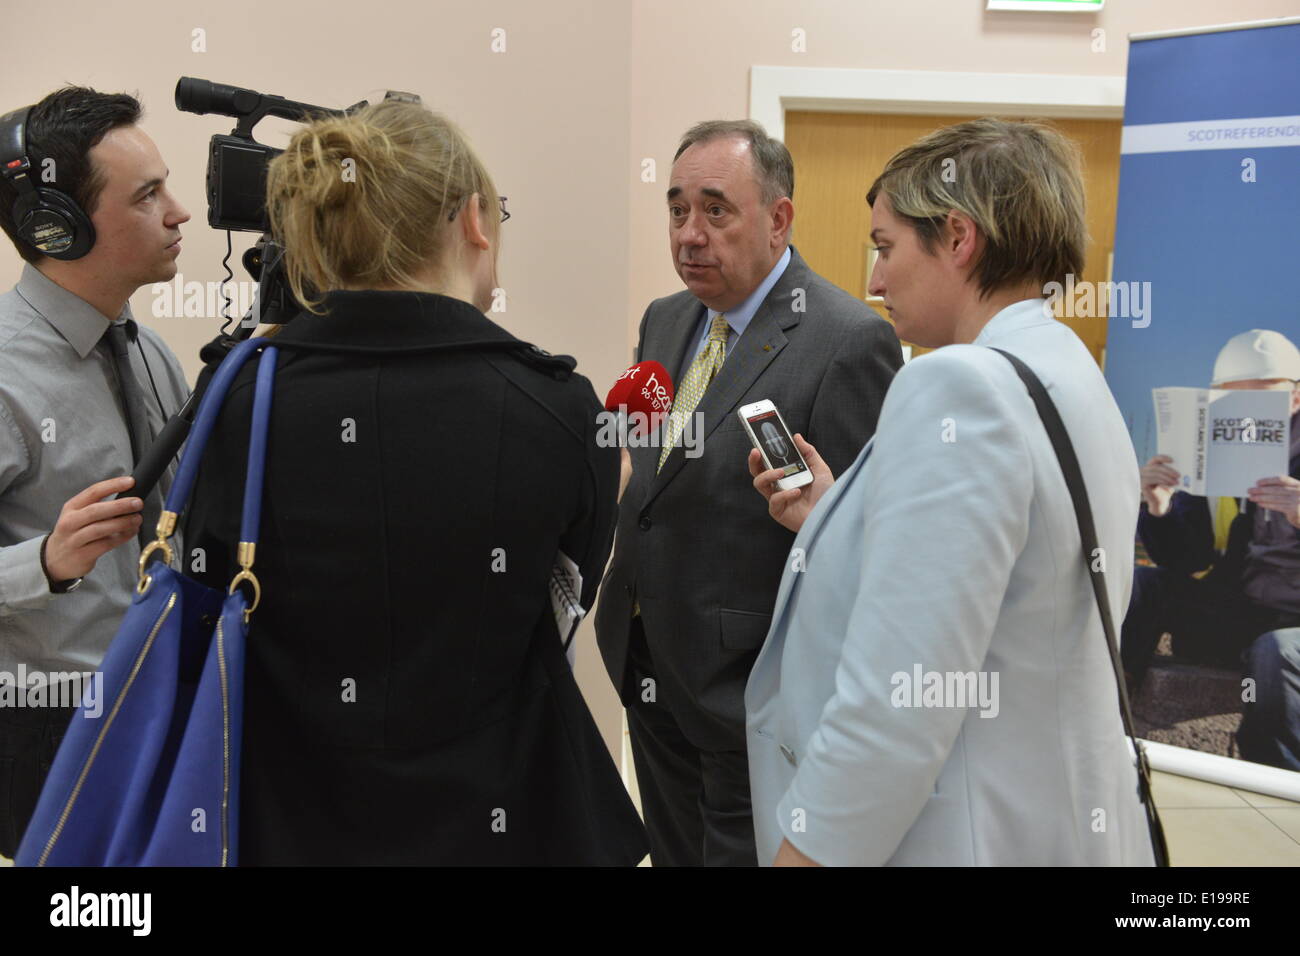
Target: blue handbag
(153,780)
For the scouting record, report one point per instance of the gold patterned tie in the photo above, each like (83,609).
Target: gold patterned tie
(697,379)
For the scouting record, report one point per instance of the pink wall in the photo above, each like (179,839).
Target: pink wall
(548,116)
(690,61)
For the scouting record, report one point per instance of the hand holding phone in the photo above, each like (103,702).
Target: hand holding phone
(790,509)
(790,506)
(766,429)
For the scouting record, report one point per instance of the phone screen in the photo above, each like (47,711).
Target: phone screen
(775,442)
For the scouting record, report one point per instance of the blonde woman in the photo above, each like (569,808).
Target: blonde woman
(408,700)
(936,686)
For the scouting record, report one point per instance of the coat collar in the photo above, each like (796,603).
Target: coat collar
(1014,318)
(374,321)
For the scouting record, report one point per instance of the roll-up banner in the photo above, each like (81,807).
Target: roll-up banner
(1205,305)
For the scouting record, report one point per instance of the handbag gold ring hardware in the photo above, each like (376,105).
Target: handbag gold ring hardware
(145,580)
(247,575)
(166,525)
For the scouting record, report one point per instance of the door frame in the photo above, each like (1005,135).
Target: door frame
(775,89)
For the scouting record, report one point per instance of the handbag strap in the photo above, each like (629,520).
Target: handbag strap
(263,390)
(205,421)
(1060,439)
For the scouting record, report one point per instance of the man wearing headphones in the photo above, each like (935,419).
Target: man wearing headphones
(83,392)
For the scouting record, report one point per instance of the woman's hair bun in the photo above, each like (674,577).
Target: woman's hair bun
(330,163)
(356,199)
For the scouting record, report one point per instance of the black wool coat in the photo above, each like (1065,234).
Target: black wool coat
(407,698)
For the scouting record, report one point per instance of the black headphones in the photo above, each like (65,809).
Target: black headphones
(44,217)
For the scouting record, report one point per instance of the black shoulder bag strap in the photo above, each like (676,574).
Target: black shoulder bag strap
(1088,535)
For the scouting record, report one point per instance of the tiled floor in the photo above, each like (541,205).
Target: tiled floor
(1210,825)
(1206,824)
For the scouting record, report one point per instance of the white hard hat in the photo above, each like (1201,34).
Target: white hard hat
(1256,354)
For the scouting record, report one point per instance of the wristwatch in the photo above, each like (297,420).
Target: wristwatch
(57,587)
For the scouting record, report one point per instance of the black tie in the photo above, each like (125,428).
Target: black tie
(120,334)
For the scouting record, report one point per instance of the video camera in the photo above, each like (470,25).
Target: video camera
(236,181)
(236,186)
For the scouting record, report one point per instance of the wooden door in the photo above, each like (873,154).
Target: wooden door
(837,156)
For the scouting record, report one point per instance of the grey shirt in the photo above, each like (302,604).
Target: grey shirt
(62,428)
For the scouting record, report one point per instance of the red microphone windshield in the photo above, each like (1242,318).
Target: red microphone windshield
(645,387)
(645,391)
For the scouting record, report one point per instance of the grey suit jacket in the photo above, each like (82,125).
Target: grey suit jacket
(695,546)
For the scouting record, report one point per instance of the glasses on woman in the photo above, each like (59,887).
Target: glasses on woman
(505,213)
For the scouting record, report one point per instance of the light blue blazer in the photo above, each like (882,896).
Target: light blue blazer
(947,561)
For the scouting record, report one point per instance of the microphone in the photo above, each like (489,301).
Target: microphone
(775,443)
(645,393)
(167,445)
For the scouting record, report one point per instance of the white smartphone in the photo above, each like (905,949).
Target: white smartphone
(767,431)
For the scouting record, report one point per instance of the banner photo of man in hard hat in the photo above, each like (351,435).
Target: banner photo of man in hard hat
(1204,368)
(1211,643)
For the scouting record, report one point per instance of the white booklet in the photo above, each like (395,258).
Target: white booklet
(566,592)
(1222,441)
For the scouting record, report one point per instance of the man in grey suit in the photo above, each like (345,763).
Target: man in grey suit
(687,600)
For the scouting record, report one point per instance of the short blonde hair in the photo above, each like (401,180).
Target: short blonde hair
(359,201)
(1021,183)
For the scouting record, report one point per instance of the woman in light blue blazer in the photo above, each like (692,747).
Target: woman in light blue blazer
(936,686)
